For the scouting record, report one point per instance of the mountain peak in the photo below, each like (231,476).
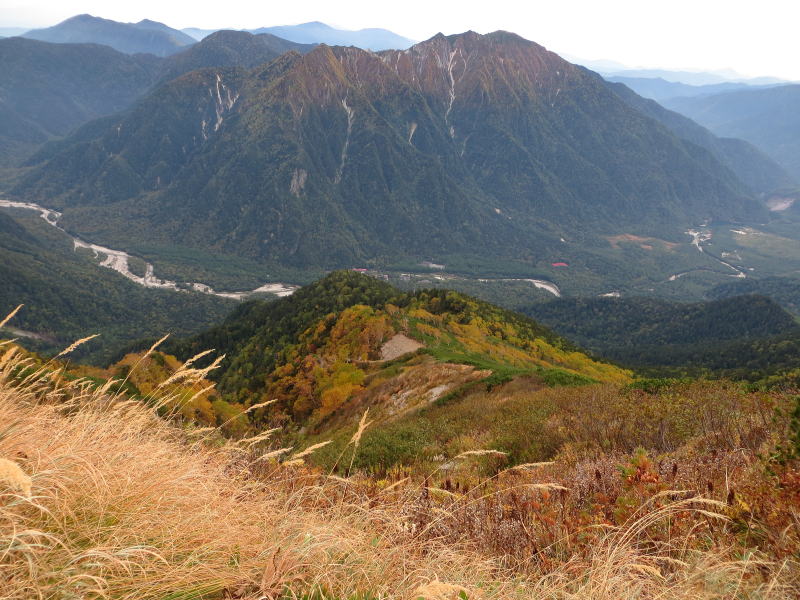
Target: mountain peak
(499,36)
(317,24)
(82,18)
(468,65)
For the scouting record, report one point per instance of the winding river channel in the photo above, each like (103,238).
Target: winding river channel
(698,237)
(118,260)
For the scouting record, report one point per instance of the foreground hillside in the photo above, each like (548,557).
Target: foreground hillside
(120,503)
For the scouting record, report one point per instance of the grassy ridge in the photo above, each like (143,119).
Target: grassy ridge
(312,351)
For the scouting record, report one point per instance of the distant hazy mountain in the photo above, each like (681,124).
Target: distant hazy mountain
(198,34)
(12,31)
(465,144)
(767,118)
(660,89)
(755,168)
(693,77)
(144,36)
(598,65)
(46,90)
(320,33)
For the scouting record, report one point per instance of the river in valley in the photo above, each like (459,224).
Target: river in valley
(118,260)
(699,236)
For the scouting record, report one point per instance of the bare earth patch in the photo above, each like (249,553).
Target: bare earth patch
(646,243)
(398,346)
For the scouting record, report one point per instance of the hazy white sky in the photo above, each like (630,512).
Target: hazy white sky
(756,37)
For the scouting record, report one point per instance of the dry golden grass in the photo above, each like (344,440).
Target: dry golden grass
(125,505)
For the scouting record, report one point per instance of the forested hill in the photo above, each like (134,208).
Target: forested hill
(314,350)
(740,336)
(784,290)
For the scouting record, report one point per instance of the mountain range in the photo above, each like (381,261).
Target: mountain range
(530,319)
(320,33)
(462,142)
(159,39)
(660,89)
(758,170)
(693,78)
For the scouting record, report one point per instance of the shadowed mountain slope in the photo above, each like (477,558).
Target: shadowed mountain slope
(755,168)
(48,89)
(767,118)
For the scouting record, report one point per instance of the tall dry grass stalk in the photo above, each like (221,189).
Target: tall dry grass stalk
(124,505)
(10,315)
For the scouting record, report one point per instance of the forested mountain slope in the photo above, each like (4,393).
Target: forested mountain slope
(342,155)
(49,89)
(229,49)
(334,343)
(783,290)
(46,90)
(742,336)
